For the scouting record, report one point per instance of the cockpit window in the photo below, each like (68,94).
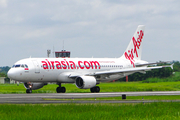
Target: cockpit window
(20,65)
(26,66)
(16,66)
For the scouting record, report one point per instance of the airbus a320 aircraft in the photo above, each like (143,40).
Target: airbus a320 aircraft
(86,73)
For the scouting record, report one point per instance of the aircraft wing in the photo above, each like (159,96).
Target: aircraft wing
(137,69)
(110,72)
(147,64)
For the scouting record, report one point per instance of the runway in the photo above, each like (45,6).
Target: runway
(39,98)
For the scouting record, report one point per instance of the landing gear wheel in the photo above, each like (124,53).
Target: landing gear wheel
(63,89)
(28,90)
(95,89)
(60,89)
(92,90)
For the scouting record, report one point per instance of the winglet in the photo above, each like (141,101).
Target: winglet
(171,66)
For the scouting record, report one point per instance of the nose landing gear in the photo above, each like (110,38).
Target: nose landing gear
(29,90)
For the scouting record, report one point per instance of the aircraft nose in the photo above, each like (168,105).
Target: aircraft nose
(11,74)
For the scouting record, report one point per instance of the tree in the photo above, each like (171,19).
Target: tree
(4,69)
(176,66)
(3,75)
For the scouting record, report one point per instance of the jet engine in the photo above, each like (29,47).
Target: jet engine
(34,86)
(85,82)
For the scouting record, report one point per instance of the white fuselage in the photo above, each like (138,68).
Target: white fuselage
(59,69)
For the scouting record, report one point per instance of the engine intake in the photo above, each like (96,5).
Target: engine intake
(85,82)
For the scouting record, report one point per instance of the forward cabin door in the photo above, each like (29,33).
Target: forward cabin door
(36,65)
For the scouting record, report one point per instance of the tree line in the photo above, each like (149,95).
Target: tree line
(3,71)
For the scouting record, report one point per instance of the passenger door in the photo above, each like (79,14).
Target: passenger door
(36,65)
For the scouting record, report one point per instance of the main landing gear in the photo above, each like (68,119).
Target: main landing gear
(95,89)
(60,89)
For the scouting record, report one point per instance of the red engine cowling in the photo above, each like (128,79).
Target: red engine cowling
(85,82)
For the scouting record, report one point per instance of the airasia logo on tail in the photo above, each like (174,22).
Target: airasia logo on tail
(133,51)
(70,64)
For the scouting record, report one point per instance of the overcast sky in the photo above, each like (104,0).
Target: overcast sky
(98,28)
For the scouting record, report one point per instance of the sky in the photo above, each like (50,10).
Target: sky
(88,28)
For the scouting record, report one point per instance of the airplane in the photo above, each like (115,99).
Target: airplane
(86,73)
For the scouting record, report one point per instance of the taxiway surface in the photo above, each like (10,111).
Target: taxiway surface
(39,98)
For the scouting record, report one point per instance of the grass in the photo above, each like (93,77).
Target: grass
(105,87)
(152,111)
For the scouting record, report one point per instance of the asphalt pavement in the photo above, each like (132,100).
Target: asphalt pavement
(35,98)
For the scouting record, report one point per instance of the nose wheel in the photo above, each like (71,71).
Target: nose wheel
(29,90)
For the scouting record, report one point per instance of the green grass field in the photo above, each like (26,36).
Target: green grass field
(147,111)
(105,87)
(126,111)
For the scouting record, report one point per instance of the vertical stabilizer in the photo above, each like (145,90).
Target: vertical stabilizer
(134,49)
